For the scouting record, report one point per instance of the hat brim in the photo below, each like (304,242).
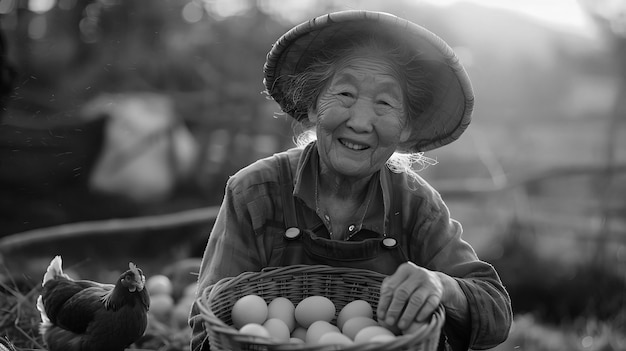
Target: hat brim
(453,99)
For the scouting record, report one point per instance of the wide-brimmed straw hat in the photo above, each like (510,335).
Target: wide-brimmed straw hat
(453,99)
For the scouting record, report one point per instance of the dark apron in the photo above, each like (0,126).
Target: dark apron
(366,250)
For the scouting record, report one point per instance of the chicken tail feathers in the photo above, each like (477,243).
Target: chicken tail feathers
(45,321)
(54,270)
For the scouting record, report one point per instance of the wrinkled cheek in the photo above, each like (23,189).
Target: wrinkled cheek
(330,119)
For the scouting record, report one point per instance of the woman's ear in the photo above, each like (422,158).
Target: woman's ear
(405,134)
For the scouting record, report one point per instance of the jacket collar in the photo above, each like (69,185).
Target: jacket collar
(304,189)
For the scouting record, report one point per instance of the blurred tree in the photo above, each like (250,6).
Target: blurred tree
(74,51)
(610,16)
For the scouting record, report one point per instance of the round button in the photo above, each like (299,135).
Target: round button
(292,233)
(389,243)
(351,227)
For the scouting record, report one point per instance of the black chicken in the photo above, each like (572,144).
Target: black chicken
(86,315)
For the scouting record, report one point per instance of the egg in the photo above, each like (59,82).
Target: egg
(161,307)
(382,338)
(356,308)
(278,329)
(180,313)
(283,309)
(367,333)
(299,333)
(159,284)
(335,338)
(354,325)
(317,330)
(249,309)
(296,341)
(314,308)
(190,290)
(394,328)
(254,329)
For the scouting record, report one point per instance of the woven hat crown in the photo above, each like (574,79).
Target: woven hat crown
(441,123)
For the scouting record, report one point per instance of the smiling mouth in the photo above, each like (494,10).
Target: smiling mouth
(352,146)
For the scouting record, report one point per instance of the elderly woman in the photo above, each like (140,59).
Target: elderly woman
(376,91)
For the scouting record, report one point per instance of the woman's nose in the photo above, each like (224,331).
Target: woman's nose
(361,116)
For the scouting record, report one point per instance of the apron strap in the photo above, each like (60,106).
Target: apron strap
(285,180)
(396,216)
(395,231)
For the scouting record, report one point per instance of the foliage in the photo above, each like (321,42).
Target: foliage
(20,318)
(528,333)
(19,323)
(555,292)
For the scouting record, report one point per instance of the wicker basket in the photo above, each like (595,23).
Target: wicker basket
(340,285)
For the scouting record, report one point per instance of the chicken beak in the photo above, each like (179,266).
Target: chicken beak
(141,283)
(138,283)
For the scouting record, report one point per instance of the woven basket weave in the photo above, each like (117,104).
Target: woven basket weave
(340,285)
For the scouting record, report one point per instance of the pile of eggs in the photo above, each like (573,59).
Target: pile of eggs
(310,321)
(164,307)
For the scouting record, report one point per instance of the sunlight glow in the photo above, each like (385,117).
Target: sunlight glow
(292,11)
(41,6)
(192,12)
(6,6)
(227,8)
(566,14)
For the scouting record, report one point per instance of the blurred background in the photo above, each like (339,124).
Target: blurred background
(121,121)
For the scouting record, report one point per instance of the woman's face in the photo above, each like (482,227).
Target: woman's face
(360,118)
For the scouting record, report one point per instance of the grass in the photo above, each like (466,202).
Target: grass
(583,334)
(19,321)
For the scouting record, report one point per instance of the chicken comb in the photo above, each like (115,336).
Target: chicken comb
(133,268)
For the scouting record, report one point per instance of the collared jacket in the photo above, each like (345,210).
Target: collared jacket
(248,236)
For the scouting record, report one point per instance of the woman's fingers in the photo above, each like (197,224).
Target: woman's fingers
(412,293)
(412,307)
(400,295)
(428,308)
(394,292)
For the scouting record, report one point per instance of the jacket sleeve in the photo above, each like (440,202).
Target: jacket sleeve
(231,250)
(443,249)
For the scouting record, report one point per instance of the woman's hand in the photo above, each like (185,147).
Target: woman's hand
(411,294)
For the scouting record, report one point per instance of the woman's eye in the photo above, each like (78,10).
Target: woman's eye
(346,94)
(385,103)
